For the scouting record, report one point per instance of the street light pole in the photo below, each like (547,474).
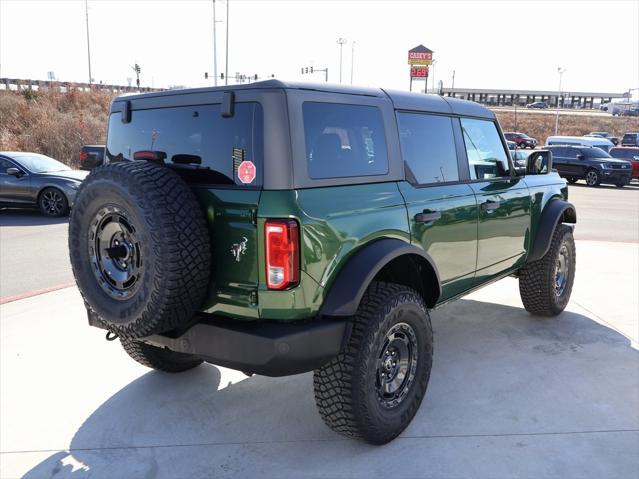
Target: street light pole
(86,10)
(340,42)
(432,65)
(352,60)
(226,69)
(214,46)
(561,71)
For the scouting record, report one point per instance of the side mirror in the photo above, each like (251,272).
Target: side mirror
(580,156)
(14,172)
(539,162)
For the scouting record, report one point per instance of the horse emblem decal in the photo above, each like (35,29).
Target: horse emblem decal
(238,249)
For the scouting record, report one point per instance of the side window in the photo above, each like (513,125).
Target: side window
(4,165)
(344,140)
(560,151)
(428,147)
(486,154)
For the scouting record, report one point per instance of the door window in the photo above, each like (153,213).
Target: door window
(4,165)
(487,156)
(428,147)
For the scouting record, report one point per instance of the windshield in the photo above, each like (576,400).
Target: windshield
(40,164)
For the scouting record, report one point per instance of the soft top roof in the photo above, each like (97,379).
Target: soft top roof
(401,100)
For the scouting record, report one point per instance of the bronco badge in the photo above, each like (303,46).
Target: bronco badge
(238,249)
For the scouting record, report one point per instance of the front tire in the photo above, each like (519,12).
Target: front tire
(53,203)
(159,358)
(375,385)
(545,285)
(593,178)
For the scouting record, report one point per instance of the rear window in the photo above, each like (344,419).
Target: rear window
(194,138)
(344,140)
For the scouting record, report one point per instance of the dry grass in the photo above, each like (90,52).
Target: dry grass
(541,126)
(53,123)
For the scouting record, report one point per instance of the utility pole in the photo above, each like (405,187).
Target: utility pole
(340,42)
(226,70)
(214,46)
(453,87)
(86,11)
(352,60)
(432,68)
(561,71)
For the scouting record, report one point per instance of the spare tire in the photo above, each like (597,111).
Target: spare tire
(139,248)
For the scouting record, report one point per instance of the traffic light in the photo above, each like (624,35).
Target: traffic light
(206,75)
(311,69)
(222,76)
(137,69)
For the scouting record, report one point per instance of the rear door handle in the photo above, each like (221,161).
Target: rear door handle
(427,216)
(490,205)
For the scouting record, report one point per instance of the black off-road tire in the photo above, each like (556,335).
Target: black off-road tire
(537,280)
(159,358)
(170,252)
(346,391)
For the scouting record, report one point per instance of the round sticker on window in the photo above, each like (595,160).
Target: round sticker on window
(246,172)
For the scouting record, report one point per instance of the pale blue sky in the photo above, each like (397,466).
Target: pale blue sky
(503,44)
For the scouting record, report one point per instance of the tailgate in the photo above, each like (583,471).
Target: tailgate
(231,216)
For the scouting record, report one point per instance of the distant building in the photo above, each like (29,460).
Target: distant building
(568,99)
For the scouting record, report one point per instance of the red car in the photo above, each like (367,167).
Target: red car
(629,153)
(522,140)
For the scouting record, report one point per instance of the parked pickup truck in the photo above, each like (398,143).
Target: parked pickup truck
(278,228)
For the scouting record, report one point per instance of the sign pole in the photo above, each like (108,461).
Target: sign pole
(410,88)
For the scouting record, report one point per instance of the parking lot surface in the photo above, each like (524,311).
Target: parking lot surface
(511,395)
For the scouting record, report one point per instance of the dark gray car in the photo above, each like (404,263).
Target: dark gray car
(30,180)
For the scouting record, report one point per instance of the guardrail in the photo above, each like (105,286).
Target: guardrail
(13,84)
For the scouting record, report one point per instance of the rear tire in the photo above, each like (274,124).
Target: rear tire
(572,181)
(620,185)
(375,385)
(159,358)
(545,285)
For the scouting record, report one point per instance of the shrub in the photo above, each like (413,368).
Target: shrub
(52,122)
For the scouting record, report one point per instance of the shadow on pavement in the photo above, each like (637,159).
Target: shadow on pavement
(497,371)
(632,186)
(27,217)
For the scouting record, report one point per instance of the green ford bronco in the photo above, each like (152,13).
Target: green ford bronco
(278,228)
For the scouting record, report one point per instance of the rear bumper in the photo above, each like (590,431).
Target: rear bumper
(270,349)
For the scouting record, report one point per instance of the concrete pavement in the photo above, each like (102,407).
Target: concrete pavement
(33,252)
(511,395)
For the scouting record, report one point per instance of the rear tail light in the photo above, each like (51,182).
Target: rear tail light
(83,155)
(282,253)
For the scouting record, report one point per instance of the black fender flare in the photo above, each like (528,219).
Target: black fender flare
(556,211)
(353,279)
